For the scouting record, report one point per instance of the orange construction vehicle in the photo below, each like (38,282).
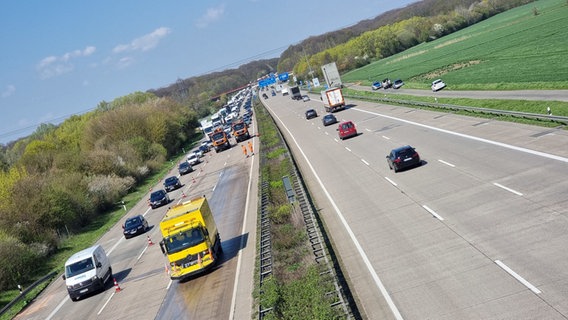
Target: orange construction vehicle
(220,140)
(240,130)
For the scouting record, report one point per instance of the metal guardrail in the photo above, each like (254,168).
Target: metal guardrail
(527,115)
(26,291)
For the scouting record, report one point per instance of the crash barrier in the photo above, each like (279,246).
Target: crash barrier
(23,293)
(526,115)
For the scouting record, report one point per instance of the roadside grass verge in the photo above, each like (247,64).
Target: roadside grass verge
(297,289)
(558,108)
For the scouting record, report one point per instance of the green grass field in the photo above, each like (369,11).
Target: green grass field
(513,50)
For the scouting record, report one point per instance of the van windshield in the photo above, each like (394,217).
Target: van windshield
(184,240)
(79,267)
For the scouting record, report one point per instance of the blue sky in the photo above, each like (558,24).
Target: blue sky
(64,57)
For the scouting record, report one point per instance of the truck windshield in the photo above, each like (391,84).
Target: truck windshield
(239,126)
(79,267)
(218,135)
(184,240)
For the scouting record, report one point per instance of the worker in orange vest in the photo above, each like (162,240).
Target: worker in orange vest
(244,150)
(250,147)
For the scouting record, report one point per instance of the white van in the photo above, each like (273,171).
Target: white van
(87,271)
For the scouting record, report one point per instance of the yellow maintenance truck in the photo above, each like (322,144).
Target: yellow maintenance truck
(190,241)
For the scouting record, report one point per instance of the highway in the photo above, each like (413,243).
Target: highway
(229,181)
(477,232)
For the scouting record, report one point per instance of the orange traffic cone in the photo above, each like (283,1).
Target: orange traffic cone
(167,269)
(116,286)
(150,243)
(183,194)
(193,179)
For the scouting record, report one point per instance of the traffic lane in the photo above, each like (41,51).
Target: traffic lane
(519,203)
(539,95)
(209,296)
(321,152)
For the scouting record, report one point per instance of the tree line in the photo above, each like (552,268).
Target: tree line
(392,34)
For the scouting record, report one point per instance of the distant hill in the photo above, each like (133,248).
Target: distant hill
(195,90)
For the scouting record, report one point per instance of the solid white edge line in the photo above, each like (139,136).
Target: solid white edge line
(500,144)
(385,137)
(365,162)
(446,163)
(508,189)
(432,212)
(347,149)
(239,255)
(518,277)
(374,275)
(391,182)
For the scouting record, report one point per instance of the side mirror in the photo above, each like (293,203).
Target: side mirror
(122,226)
(99,264)
(162,247)
(63,277)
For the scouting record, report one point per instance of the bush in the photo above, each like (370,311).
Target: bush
(18,261)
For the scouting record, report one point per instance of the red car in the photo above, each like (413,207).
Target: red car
(346,129)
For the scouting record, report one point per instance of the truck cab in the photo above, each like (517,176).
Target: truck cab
(240,131)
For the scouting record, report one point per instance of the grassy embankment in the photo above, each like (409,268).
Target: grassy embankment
(515,50)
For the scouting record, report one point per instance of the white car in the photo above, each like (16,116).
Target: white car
(193,158)
(438,85)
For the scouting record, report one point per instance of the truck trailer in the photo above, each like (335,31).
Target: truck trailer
(296,94)
(191,241)
(333,99)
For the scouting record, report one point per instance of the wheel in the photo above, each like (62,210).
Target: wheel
(395,169)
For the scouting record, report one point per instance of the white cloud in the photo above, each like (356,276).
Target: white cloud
(210,16)
(125,62)
(53,66)
(10,89)
(145,42)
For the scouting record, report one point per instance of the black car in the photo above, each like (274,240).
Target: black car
(311,113)
(134,226)
(159,198)
(403,157)
(172,183)
(328,119)
(184,168)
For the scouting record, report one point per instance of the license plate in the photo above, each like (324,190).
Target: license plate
(84,290)
(407,159)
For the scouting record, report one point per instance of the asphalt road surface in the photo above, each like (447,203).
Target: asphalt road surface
(478,231)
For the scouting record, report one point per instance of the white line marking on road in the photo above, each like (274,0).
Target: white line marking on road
(446,163)
(518,277)
(327,134)
(500,144)
(141,253)
(57,308)
(347,149)
(368,130)
(437,216)
(365,162)
(364,257)
(335,139)
(108,300)
(508,189)
(242,244)
(391,182)
(387,138)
